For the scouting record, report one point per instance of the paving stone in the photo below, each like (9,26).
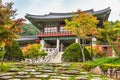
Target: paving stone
(54,79)
(47,71)
(84,73)
(14,70)
(60,77)
(22,77)
(95,75)
(66,65)
(29,70)
(61,68)
(64,78)
(32,79)
(35,73)
(70,72)
(66,75)
(48,68)
(14,79)
(5,77)
(52,74)
(22,73)
(41,76)
(81,78)
(6,74)
(97,78)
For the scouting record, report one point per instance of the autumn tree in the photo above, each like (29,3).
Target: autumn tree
(9,25)
(32,51)
(111,35)
(82,25)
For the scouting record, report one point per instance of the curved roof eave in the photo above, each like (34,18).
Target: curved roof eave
(54,16)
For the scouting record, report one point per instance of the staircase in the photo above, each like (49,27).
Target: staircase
(54,56)
(57,58)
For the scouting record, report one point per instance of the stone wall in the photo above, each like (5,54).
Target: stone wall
(111,73)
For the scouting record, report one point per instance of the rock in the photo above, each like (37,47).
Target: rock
(47,71)
(54,79)
(60,77)
(60,68)
(64,78)
(84,73)
(97,70)
(22,73)
(96,78)
(23,76)
(109,72)
(70,72)
(32,79)
(81,78)
(14,70)
(35,73)
(6,74)
(5,77)
(118,75)
(41,76)
(29,70)
(48,68)
(66,65)
(14,79)
(52,74)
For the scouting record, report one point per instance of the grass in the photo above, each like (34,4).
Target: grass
(6,66)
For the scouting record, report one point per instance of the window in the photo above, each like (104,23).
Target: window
(62,29)
(50,29)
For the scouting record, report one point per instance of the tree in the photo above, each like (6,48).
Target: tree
(9,26)
(13,52)
(82,25)
(28,30)
(111,34)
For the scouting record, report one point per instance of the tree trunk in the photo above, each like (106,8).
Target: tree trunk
(82,49)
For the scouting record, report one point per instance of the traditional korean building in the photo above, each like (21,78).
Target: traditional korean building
(53,35)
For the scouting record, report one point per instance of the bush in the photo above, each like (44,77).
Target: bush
(105,63)
(33,51)
(13,52)
(73,53)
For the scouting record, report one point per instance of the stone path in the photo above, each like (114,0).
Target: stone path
(47,72)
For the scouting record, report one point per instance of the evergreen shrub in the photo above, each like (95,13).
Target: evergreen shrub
(13,52)
(73,53)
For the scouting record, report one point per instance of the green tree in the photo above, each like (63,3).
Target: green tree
(9,26)
(82,25)
(28,30)
(13,52)
(111,34)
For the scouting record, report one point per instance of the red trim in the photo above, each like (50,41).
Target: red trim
(55,34)
(37,40)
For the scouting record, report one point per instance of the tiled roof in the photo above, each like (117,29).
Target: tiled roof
(65,15)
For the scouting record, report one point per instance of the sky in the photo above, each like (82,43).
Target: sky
(41,7)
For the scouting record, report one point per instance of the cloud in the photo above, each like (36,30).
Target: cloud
(39,7)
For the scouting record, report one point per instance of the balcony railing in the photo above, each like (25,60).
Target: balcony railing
(50,34)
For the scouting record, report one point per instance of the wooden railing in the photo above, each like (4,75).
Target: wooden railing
(65,33)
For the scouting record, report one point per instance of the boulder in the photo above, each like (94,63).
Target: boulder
(97,70)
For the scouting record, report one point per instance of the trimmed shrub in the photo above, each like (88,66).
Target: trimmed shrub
(13,52)
(73,53)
